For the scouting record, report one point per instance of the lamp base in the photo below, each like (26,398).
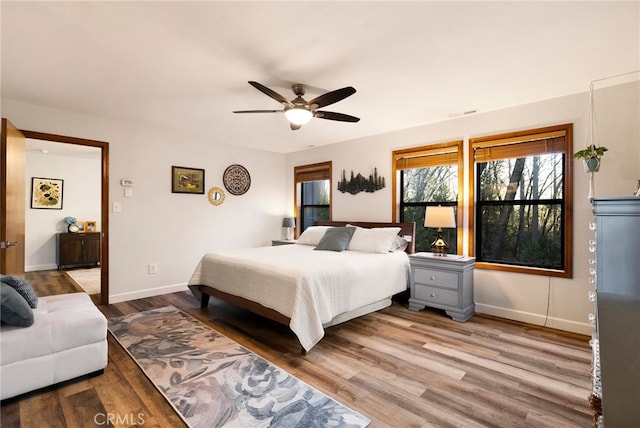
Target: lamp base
(288,233)
(439,247)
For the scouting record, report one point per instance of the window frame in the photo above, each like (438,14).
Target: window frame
(305,173)
(506,143)
(429,156)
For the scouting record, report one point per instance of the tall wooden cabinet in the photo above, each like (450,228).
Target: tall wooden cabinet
(78,249)
(617,279)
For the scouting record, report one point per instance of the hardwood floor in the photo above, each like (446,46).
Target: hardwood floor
(398,367)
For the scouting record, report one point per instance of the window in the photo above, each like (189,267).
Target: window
(429,176)
(313,190)
(523,203)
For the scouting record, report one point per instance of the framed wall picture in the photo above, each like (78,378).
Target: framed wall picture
(90,226)
(187,180)
(46,193)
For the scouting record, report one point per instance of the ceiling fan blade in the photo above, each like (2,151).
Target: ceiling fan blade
(259,111)
(273,94)
(332,97)
(336,116)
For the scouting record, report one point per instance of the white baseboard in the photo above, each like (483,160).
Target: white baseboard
(149,292)
(34,268)
(536,319)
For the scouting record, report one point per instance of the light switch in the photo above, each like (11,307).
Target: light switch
(128,192)
(117,207)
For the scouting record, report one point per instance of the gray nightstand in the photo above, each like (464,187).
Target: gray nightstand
(444,283)
(275,242)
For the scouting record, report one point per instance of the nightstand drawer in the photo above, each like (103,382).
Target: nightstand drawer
(436,295)
(436,277)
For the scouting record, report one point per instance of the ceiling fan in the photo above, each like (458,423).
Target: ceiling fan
(299,111)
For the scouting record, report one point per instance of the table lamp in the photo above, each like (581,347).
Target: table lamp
(288,223)
(439,217)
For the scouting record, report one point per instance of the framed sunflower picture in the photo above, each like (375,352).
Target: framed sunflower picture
(46,193)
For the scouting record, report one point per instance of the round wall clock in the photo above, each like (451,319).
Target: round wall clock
(236,179)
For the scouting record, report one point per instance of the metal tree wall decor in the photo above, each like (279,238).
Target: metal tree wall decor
(359,184)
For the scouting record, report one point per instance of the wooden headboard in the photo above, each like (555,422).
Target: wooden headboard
(405,229)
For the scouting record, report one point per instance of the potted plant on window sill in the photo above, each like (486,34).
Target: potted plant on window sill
(591,157)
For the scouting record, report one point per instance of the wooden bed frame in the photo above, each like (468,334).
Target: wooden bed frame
(406,229)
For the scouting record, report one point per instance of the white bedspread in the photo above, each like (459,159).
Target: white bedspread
(308,286)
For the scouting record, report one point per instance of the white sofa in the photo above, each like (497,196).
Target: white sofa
(67,339)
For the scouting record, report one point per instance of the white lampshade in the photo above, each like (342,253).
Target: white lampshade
(439,217)
(298,115)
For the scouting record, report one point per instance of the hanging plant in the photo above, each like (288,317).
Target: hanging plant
(592,152)
(591,157)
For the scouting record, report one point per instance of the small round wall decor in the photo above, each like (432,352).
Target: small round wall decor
(216,196)
(236,179)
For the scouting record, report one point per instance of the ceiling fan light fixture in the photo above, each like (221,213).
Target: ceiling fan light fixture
(298,115)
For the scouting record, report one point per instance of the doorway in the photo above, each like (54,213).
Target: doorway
(103,148)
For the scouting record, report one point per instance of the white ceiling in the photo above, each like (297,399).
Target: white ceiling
(185,65)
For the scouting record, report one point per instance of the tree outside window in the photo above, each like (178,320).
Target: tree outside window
(315,202)
(312,194)
(523,201)
(429,176)
(519,206)
(423,187)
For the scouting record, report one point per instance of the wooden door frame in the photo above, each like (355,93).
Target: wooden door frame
(12,200)
(104,215)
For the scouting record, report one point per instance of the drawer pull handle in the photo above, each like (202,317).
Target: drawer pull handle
(433,278)
(433,295)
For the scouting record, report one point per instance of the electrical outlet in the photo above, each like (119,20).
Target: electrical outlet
(152,268)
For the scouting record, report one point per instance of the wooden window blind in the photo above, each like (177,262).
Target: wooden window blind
(429,156)
(514,146)
(314,172)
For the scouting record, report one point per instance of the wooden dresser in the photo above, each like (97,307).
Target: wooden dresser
(78,249)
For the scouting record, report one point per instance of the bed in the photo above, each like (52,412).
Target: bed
(307,289)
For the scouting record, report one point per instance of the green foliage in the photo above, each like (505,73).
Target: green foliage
(590,152)
(429,186)
(520,211)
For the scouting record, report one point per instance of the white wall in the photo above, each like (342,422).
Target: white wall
(155,225)
(516,296)
(80,199)
(174,230)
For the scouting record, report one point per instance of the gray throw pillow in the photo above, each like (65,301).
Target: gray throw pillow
(14,310)
(336,239)
(23,287)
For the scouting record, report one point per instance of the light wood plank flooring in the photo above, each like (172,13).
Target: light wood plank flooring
(398,367)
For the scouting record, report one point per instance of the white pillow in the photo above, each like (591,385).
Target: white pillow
(312,235)
(399,244)
(376,240)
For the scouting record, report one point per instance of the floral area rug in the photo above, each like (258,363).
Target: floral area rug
(212,381)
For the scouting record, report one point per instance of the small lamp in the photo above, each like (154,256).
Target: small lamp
(288,223)
(439,217)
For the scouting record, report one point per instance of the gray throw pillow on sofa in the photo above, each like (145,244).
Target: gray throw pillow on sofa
(23,287)
(14,309)
(336,239)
